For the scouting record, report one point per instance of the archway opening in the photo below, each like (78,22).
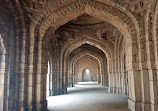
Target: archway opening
(88,56)
(98,39)
(86,75)
(93,31)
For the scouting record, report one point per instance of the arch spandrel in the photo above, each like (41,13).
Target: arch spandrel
(124,17)
(70,47)
(86,52)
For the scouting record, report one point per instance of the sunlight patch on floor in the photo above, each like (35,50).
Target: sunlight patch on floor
(92,98)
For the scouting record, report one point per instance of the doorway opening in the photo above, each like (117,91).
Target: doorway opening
(86,75)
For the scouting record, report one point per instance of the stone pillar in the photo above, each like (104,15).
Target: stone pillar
(153,90)
(105,79)
(54,76)
(114,76)
(40,72)
(153,73)
(145,90)
(134,81)
(20,69)
(126,83)
(29,86)
(145,102)
(69,74)
(2,83)
(51,79)
(65,76)
(110,77)
(60,76)
(44,70)
(123,76)
(3,75)
(64,85)
(59,79)
(151,65)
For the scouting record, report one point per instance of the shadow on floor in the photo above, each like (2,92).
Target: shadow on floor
(85,89)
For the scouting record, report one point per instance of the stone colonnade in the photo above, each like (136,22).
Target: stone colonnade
(27,43)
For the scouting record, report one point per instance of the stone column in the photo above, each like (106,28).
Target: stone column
(60,76)
(51,79)
(2,78)
(114,76)
(29,87)
(145,102)
(20,69)
(134,81)
(40,74)
(154,72)
(64,76)
(122,77)
(110,77)
(55,81)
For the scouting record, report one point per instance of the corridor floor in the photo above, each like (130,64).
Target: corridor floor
(88,97)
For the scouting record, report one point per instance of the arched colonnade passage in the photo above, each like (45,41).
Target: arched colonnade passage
(33,33)
(100,67)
